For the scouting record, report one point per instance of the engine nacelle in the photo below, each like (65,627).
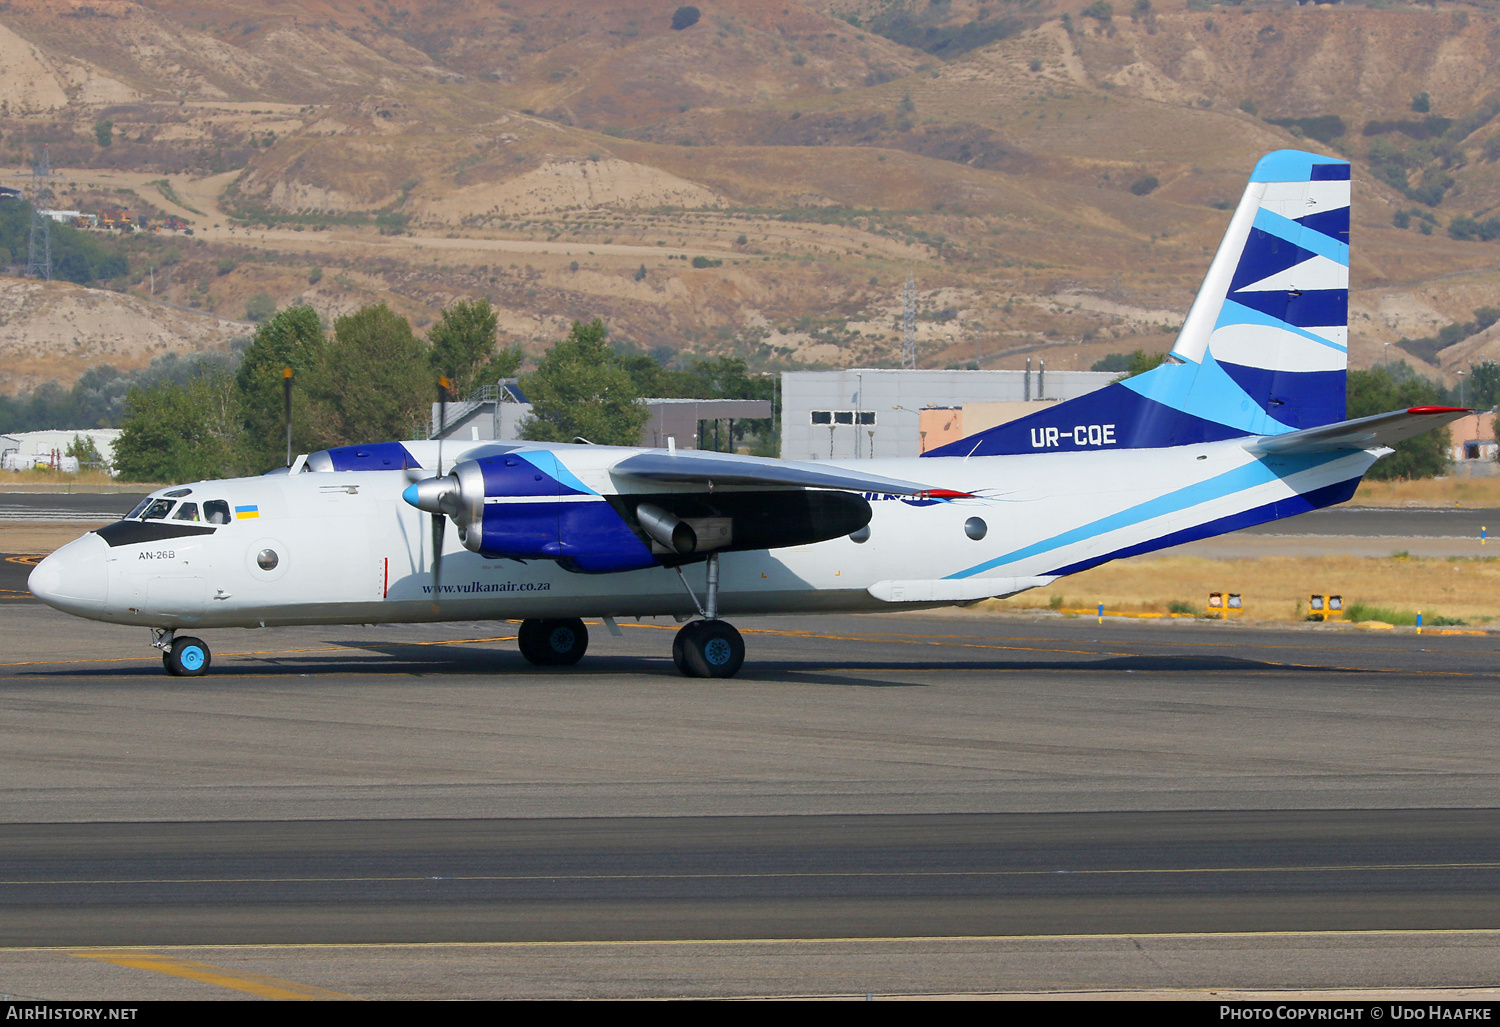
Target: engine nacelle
(526,505)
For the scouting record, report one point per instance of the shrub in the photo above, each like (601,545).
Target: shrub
(315,276)
(104,132)
(1099,10)
(701,262)
(1036,64)
(685,17)
(1248,106)
(1421,103)
(1142,186)
(1402,219)
(1463,228)
(259,307)
(226,265)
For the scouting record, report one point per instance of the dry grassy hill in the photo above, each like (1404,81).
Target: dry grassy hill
(547,154)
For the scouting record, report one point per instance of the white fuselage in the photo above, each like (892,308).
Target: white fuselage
(349,550)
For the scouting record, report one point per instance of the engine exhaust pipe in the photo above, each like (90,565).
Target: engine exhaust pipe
(667,528)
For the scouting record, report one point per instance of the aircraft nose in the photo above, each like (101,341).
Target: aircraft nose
(75,579)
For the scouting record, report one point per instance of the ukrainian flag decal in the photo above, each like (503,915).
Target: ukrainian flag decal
(247,513)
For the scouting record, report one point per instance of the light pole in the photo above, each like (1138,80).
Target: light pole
(1461,389)
(1387,358)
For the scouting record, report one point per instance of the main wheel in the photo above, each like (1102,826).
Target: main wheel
(710,649)
(553,643)
(189,657)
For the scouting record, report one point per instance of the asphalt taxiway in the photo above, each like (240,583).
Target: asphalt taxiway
(905,804)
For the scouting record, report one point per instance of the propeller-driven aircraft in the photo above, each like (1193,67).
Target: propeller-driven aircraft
(1242,424)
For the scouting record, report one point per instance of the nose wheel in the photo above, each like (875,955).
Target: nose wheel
(185,656)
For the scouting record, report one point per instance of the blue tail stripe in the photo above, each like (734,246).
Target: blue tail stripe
(1305,238)
(1246,476)
(1302,399)
(1264,255)
(1236,313)
(1332,223)
(1328,495)
(1313,308)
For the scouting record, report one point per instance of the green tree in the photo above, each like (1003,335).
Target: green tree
(375,381)
(104,132)
(84,449)
(289,338)
(1379,391)
(463,347)
(1484,384)
(180,432)
(580,391)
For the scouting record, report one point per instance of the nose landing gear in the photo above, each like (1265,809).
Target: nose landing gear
(185,657)
(708,648)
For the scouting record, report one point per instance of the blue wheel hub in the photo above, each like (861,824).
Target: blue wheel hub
(191,658)
(718,652)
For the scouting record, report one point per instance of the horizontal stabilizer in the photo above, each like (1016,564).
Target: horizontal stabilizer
(696,467)
(954,590)
(1360,433)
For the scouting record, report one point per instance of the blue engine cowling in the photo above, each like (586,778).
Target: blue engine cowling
(535,508)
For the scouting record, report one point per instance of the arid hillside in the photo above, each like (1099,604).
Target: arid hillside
(759,180)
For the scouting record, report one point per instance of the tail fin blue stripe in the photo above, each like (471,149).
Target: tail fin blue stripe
(1262,351)
(1304,238)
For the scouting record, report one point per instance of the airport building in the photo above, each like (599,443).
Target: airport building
(881,412)
(498,412)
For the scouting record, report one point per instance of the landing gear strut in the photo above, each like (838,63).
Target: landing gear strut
(185,657)
(553,643)
(708,648)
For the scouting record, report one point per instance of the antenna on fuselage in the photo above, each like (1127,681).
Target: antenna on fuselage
(286,396)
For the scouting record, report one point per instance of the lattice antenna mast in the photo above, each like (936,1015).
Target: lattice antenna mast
(39,254)
(909,325)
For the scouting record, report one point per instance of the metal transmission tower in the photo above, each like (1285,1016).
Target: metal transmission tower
(909,325)
(39,257)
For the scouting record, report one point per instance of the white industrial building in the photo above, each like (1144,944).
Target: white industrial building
(881,412)
(21,451)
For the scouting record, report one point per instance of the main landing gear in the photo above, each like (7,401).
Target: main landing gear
(553,643)
(708,648)
(183,657)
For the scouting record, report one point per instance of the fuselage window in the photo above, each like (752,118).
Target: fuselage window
(187,512)
(216,511)
(158,510)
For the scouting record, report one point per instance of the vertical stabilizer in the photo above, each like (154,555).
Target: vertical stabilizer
(1263,349)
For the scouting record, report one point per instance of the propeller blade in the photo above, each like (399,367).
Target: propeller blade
(439,525)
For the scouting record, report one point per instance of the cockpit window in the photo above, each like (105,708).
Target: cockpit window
(187,512)
(216,511)
(158,510)
(133,514)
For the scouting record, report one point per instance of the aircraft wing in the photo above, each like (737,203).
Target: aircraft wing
(1360,433)
(697,467)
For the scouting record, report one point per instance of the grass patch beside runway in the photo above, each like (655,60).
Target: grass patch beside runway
(1276,588)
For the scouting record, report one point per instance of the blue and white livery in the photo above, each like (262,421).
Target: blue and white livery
(1242,423)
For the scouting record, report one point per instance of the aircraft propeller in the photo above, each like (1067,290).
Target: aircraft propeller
(439,518)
